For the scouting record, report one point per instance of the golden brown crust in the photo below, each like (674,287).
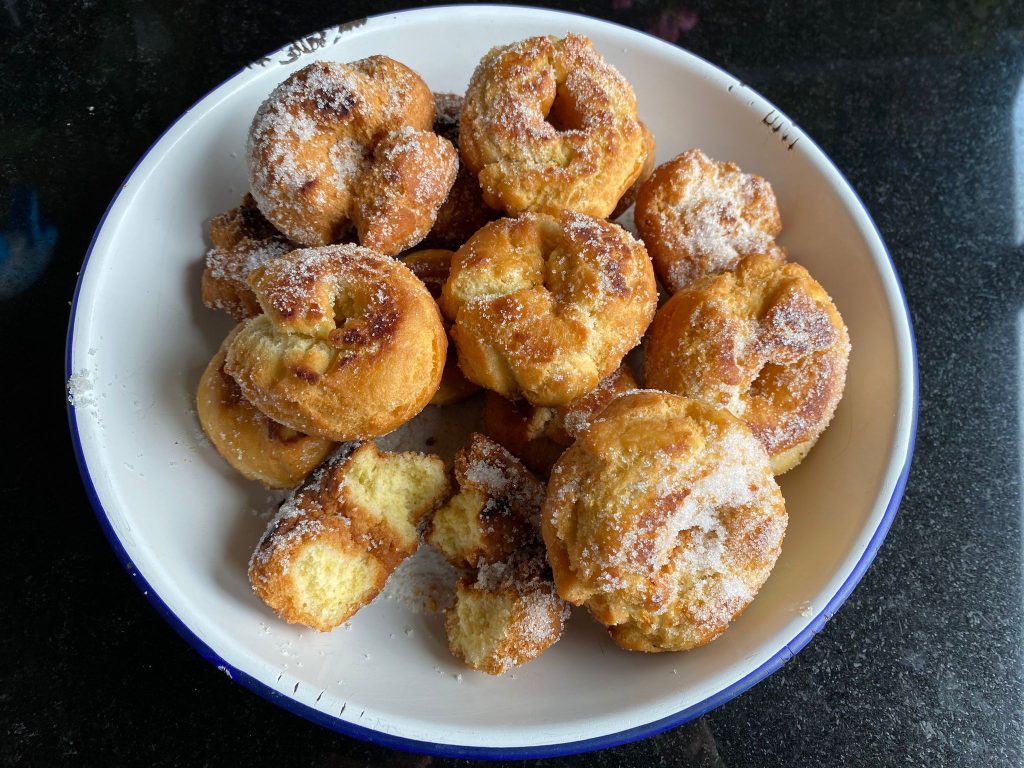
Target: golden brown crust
(548,124)
(464,210)
(258,447)
(495,512)
(545,307)
(242,240)
(401,193)
(664,519)
(332,544)
(629,197)
(350,345)
(766,342)
(507,615)
(698,217)
(432,265)
(539,435)
(341,144)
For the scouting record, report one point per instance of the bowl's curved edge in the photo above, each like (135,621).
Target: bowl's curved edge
(473,752)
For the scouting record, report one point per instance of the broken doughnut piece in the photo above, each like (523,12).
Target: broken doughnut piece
(495,511)
(507,615)
(337,538)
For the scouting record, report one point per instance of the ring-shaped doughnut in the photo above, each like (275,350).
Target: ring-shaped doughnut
(698,216)
(766,342)
(548,124)
(545,307)
(350,343)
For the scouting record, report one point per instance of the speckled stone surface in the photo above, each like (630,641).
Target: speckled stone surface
(922,107)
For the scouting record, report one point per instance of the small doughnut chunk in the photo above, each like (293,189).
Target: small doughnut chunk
(495,511)
(664,518)
(338,537)
(342,144)
(539,435)
(645,173)
(464,211)
(698,216)
(258,447)
(507,615)
(432,266)
(350,343)
(546,307)
(548,124)
(242,240)
(766,342)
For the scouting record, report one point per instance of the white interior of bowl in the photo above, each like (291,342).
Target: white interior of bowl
(142,337)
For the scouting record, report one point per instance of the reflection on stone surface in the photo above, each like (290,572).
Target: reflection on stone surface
(26,243)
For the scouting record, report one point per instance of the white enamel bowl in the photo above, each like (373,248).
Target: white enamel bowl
(182,522)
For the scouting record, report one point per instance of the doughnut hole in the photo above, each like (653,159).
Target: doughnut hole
(565,112)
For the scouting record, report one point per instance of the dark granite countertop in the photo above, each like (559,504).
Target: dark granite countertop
(920,104)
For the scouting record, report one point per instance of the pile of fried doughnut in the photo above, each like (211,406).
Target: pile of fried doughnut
(400,250)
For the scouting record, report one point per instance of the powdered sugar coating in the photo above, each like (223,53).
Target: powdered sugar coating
(526,615)
(548,124)
(664,518)
(314,167)
(766,342)
(242,241)
(491,469)
(698,217)
(545,307)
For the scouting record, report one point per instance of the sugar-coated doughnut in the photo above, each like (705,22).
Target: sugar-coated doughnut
(538,435)
(258,447)
(495,511)
(242,240)
(506,615)
(350,343)
(337,145)
(545,307)
(548,124)
(664,519)
(766,342)
(432,265)
(629,197)
(337,538)
(698,216)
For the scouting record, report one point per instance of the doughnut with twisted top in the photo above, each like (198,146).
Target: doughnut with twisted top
(766,342)
(350,343)
(698,216)
(548,124)
(546,307)
(664,519)
(337,145)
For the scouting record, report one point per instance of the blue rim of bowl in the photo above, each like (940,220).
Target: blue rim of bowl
(619,738)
